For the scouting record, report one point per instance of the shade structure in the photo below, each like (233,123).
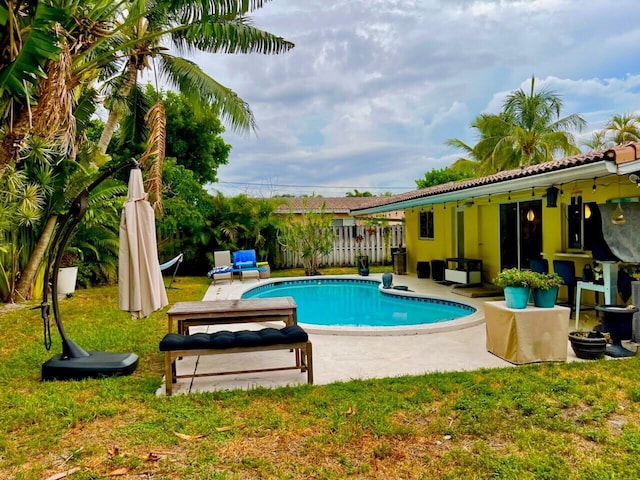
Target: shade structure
(141,288)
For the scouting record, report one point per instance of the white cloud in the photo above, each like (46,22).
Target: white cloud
(373,88)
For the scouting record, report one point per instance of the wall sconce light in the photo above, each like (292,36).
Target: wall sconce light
(552,197)
(587,211)
(509,198)
(531,215)
(594,185)
(533,192)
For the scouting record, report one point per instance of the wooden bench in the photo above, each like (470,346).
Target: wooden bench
(291,337)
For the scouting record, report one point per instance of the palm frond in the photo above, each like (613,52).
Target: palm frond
(153,157)
(196,85)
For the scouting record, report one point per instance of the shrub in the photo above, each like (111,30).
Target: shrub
(514,277)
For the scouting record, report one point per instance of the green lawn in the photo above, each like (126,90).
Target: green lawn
(546,421)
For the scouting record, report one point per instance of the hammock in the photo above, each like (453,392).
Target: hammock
(167,265)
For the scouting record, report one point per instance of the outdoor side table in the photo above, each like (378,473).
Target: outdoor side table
(527,335)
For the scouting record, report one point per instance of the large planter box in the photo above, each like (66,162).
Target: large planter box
(67,277)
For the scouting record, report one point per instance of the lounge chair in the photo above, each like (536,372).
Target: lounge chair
(222,269)
(244,261)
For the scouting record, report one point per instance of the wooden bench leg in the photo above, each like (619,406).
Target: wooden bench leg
(169,373)
(308,361)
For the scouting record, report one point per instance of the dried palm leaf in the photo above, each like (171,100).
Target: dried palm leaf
(153,157)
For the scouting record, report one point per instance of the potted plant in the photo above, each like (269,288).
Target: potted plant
(517,286)
(68,271)
(362,261)
(588,345)
(544,288)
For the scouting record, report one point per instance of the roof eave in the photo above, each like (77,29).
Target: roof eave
(545,179)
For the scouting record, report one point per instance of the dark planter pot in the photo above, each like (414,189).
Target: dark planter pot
(545,298)
(617,321)
(588,345)
(362,262)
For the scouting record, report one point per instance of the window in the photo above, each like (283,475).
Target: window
(426,225)
(581,224)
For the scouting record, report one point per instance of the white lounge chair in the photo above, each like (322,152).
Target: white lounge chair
(222,259)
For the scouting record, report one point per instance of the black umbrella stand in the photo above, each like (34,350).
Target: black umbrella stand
(74,363)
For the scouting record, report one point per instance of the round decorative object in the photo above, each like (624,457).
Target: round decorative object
(516,297)
(588,345)
(545,298)
(387,279)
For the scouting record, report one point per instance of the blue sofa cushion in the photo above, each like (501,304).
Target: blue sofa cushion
(226,339)
(244,258)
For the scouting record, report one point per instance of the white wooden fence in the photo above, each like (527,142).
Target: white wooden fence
(346,246)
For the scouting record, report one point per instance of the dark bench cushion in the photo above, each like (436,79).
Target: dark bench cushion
(226,339)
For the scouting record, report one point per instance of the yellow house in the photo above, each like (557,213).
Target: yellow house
(545,211)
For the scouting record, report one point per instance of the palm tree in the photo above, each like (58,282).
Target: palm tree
(52,56)
(528,130)
(624,128)
(150,28)
(537,132)
(598,141)
(492,153)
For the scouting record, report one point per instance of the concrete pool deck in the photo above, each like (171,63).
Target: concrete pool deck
(344,357)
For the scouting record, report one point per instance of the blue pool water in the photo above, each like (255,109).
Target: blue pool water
(358,303)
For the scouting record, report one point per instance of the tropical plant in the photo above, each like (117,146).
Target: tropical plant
(544,281)
(514,277)
(310,238)
(528,130)
(623,128)
(598,141)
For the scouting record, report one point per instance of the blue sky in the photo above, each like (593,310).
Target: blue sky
(374,88)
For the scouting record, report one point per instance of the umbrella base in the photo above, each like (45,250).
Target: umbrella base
(95,365)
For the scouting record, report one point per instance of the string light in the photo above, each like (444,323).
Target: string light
(594,185)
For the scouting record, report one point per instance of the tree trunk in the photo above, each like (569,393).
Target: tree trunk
(115,116)
(23,291)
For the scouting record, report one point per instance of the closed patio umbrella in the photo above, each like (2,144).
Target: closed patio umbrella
(141,288)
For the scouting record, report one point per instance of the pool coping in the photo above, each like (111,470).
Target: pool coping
(474,319)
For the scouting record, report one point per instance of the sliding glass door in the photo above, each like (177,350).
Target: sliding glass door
(520,233)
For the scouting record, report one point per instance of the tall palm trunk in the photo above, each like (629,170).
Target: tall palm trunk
(114,115)
(23,291)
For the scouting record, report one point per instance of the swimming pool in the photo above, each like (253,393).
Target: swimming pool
(339,302)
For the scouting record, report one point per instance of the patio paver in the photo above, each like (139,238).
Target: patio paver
(347,357)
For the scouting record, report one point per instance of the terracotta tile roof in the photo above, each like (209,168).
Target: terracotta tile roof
(332,204)
(621,154)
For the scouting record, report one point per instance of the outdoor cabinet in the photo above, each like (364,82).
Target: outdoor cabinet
(463,270)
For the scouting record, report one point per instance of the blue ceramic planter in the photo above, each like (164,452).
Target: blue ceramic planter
(387,278)
(516,297)
(545,298)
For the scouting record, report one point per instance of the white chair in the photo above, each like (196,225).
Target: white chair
(609,286)
(222,258)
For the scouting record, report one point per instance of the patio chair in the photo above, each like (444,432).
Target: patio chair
(244,261)
(540,265)
(567,270)
(222,266)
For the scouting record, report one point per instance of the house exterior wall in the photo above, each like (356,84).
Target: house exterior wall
(482,224)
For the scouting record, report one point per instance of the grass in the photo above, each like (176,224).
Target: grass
(544,421)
